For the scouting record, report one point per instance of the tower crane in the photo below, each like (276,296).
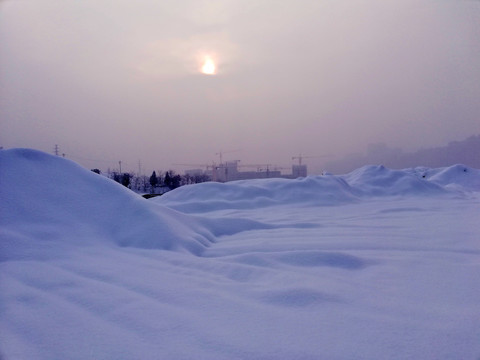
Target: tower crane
(258,166)
(300,157)
(220,154)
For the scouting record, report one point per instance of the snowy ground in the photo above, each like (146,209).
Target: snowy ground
(376,264)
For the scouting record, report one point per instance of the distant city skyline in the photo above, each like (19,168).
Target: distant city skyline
(181,81)
(454,152)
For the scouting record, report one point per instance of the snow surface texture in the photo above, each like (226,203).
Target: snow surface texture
(375,264)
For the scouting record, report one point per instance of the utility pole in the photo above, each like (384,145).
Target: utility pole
(120,165)
(56,150)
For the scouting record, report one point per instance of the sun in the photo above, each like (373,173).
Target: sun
(208,67)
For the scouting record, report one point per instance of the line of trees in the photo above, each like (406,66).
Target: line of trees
(155,183)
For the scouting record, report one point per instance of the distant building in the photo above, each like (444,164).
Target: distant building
(229,171)
(299,171)
(262,174)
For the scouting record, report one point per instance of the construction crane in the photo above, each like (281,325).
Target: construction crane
(300,157)
(258,166)
(220,154)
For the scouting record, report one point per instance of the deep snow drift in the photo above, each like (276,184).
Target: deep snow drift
(374,264)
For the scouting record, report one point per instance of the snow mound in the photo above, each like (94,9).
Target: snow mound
(279,271)
(326,190)
(55,202)
(245,194)
(457,177)
(380,181)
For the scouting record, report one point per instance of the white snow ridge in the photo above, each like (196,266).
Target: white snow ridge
(375,264)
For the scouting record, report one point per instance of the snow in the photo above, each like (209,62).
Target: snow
(378,263)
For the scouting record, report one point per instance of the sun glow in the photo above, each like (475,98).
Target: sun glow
(208,67)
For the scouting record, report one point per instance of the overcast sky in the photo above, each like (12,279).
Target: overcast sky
(118,80)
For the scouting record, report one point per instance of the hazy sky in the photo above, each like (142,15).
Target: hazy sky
(118,80)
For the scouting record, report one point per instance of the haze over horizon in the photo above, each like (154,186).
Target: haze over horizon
(179,81)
